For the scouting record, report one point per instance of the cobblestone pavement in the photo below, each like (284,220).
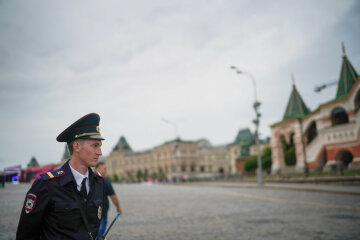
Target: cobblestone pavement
(169,212)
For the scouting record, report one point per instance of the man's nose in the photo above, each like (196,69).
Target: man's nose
(99,151)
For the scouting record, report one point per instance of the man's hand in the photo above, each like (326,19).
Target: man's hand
(118,209)
(115,201)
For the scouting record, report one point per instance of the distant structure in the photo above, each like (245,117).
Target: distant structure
(66,155)
(325,139)
(179,160)
(239,150)
(174,160)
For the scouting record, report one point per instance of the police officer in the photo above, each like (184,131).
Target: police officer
(67,203)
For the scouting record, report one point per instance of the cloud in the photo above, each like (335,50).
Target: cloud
(137,62)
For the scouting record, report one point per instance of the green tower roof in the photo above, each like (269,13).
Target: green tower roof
(122,145)
(296,107)
(244,136)
(66,154)
(348,77)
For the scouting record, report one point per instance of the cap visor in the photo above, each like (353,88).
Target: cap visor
(95,137)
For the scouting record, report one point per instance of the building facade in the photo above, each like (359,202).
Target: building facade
(175,160)
(325,139)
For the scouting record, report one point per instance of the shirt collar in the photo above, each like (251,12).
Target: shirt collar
(78,176)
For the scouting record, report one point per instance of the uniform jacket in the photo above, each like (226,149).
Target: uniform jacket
(50,211)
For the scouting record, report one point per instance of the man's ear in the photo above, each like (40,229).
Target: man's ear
(76,146)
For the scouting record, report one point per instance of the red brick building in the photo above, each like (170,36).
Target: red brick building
(324,139)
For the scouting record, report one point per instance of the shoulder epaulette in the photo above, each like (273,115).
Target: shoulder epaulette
(98,174)
(53,174)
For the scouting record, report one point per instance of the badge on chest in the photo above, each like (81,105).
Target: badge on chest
(99,212)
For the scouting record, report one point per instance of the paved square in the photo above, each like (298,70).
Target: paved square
(193,212)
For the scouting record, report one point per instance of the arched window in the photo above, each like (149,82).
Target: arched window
(345,158)
(339,116)
(357,101)
(311,132)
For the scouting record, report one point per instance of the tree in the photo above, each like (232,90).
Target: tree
(115,178)
(161,175)
(250,163)
(289,151)
(266,159)
(33,162)
(139,175)
(130,176)
(145,175)
(154,175)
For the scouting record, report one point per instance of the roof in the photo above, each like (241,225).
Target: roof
(244,136)
(122,145)
(177,140)
(347,78)
(66,154)
(296,107)
(346,85)
(128,154)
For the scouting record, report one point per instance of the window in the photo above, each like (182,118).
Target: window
(183,168)
(202,168)
(339,116)
(311,132)
(357,101)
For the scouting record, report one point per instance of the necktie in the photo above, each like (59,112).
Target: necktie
(83,189)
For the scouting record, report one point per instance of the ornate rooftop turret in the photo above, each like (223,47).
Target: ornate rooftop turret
(66,154)
(245,139)
(122,145)
(348,76)
(244,136)
(296,107)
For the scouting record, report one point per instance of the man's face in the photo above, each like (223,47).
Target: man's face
(89,152)
(102,169)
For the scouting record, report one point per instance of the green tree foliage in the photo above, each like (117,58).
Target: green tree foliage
(130,175)
(33,162)
(154,175)
(289,151)
(145,175)
(115,178)
(250,163)
(161,175)
(266,159)
(139,175)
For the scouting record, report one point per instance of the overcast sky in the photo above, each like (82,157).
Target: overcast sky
(136,62)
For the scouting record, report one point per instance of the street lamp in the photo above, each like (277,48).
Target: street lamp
(256,121)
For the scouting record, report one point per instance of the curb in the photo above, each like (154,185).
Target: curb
(277,188)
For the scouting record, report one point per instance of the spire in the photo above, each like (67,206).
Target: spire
(66,154)
(296,107)
(347,78)
(122,145)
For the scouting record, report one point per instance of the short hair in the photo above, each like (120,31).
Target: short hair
(99,164)
(71,145)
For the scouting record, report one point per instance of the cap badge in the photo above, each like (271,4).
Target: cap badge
(30,202)
(97,129)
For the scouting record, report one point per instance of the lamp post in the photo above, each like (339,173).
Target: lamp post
(256,121)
